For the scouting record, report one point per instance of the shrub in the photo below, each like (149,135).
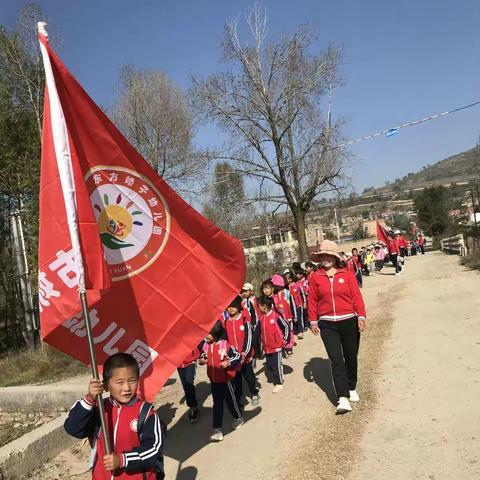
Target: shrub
(472,261)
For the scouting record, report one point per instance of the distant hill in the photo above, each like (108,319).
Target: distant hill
(460,169)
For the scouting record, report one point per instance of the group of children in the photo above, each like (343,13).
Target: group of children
(263,327)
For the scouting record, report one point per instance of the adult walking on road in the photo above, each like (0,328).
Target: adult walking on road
(337,312)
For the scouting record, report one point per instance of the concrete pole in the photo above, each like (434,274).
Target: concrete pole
(336,225)
(25,289)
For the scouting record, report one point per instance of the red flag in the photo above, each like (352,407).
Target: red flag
(382,234)
(172,271)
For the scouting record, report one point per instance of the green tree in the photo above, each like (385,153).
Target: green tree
(21,99)
(358,233)
(433,206)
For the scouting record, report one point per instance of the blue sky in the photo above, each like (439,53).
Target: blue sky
(402,60)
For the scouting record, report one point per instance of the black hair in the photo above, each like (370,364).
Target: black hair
(309,264)
(277,288)
(217,332)
(266,283)
(265,301)
(289,276)
(119,360)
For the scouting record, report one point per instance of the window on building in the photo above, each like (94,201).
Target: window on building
(275,238)
(261,257)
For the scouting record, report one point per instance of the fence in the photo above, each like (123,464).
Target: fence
(455,245)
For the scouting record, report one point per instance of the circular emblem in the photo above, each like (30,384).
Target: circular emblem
(133,425)
(132,217)
(272,321)
(242,328)
(341,280)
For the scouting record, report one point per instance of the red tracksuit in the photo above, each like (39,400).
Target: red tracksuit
(393,246)
(239,333)
(282,306)
(135,456)
(217,352)
(334,299)
(296,293)
(274,331)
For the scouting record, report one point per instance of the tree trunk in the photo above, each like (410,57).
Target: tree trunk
(299,216)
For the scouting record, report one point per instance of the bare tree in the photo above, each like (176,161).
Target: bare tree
(153,114)
(21,60)
(226,197)
(269,101)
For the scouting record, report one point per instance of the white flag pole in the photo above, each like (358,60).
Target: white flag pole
(64,163)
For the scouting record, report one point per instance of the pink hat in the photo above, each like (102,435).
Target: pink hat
(278,281)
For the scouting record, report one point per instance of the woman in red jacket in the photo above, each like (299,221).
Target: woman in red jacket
(336,311)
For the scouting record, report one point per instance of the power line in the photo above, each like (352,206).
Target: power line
(393,130)
(387,132)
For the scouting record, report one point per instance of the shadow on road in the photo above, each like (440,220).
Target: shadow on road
(185,439)
(318,370)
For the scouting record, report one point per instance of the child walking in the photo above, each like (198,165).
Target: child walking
(187,371)
(274,331)
(137,439)
(222,360)
(370,262)
(297,305)
(238,326)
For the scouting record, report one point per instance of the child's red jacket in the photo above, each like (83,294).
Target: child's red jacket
(137,458)
(274,330)
(239,333)
(216,352)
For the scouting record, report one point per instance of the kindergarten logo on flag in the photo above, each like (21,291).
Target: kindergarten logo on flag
(132,217)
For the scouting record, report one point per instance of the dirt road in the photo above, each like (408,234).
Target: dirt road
(426,423)
(419,385)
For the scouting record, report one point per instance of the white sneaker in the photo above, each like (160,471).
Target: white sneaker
(277,388)
(354,396)
(217,435)
(343,405)
(237,423)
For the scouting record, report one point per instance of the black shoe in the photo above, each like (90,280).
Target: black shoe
(193,415)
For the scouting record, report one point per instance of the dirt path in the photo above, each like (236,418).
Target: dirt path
(427,421)
(296,435)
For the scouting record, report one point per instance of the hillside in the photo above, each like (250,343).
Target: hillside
(459,168)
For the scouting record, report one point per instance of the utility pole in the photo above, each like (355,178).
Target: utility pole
(24,277)
(473,208)
(336,225)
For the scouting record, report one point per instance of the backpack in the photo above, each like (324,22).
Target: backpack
(142,416)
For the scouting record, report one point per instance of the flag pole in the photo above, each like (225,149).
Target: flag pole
(62,153)
(96,376)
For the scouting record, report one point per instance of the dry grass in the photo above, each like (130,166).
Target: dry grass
(25,367)
(12,430)
(472,261)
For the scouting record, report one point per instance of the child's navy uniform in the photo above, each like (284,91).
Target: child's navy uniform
(140,455)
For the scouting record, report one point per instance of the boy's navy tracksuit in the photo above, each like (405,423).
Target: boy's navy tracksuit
(141,453)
